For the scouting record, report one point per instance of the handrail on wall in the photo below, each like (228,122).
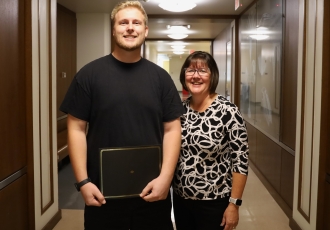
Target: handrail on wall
(12,177)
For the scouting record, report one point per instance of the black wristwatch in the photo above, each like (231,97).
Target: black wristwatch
(235,201)
(81,183)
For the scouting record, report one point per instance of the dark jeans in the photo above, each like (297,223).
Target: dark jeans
(130,213)
(198,214)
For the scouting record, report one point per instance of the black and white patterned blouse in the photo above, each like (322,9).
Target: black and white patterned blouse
(214,144)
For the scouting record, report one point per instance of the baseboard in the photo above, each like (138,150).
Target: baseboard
(53,222)
(293,225)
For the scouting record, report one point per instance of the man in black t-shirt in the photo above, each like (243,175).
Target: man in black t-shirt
(126,101)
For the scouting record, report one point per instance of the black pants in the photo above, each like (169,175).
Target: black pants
(198,214)
(130,213)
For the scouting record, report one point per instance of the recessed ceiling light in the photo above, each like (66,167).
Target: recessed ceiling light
(180,27)
(177,5)
(258,36)
(177,36)
(178,47)
(178,52)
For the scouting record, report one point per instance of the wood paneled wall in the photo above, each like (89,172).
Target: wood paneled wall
(14,203)
(66,69)
(275,159)
(324,172)
(289,74)
(12,88)
(275,164)
(14,104)
(325,224)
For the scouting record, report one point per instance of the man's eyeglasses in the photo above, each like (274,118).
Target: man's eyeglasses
(191,72)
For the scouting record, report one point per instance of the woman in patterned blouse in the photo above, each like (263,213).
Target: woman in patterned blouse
(212,169)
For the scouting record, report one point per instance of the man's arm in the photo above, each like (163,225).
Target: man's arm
(77,146)
(158,188)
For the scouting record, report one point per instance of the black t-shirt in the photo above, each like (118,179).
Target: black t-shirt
(125,104)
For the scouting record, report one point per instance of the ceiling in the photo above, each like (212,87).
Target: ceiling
(206,20)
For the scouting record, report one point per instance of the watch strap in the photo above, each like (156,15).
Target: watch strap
(235,201)
(81,183)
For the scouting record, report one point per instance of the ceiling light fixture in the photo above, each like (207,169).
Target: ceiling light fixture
(177,47)
(175,28)
(177,36)
(260,33)
(178,52)
(258,36)
(178,32)
(177,5)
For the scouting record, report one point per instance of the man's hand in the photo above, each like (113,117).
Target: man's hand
(156,190)
(92,195)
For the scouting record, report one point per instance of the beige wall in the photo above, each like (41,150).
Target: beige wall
(308,114)
(176,62)
(44,111)
(93,37)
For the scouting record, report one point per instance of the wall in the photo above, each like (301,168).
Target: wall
(29,156)
(15,103)
(309,110)
(93,37)
(219,55)
(268,80)
(44,110)
(289,82)
(226,88)
(66,65)
(176,62)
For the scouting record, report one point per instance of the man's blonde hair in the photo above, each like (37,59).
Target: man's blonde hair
(127,4)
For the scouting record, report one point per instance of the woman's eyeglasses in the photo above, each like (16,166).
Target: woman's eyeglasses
(191,72)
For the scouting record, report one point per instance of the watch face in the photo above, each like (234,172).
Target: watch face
(237,202)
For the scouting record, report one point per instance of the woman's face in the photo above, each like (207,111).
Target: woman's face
(198,78)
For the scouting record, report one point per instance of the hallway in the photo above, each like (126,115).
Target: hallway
(258,212)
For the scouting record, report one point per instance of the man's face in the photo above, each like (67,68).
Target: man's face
(129,30)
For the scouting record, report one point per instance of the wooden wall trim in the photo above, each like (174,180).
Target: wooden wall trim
(29,112)
(280,201)
(12,177)
(288,100)
(66,10)
(45,112)
(302,121)
(237,71)
(309,111)
(43,74)
(53,222)
(293,224)
(324,170)
(283,146)
(62,117)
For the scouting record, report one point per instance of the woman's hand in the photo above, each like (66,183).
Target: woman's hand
(230,217)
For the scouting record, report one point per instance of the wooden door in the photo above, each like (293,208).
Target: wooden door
(14,104)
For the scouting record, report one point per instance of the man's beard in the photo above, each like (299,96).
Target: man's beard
(128,48)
